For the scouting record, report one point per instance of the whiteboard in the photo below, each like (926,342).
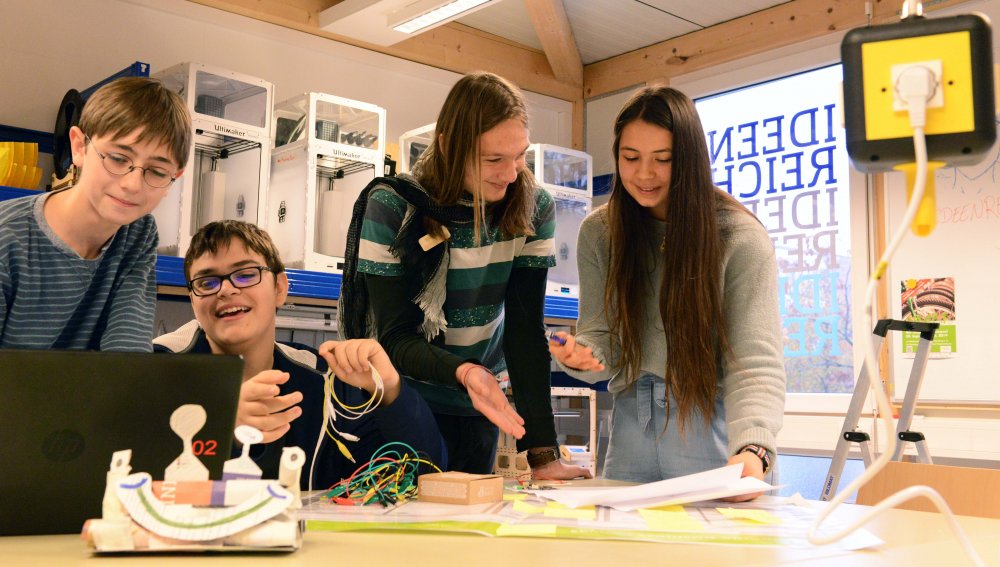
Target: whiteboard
(965,246)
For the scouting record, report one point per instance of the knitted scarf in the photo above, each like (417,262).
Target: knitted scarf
(430,268)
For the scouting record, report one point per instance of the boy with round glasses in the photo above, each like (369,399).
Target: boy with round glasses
(236,282)
(77,266)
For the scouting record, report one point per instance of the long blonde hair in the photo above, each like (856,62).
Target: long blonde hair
(476,104)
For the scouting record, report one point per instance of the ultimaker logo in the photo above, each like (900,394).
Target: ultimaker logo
(230,131)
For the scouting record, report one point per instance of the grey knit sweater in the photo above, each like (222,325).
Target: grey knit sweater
(753,382)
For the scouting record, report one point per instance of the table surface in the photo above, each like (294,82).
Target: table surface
(912,538)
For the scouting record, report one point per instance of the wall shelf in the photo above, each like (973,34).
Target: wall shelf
(322,288)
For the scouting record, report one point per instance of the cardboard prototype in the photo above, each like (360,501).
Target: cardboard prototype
(460,488)
(187,512)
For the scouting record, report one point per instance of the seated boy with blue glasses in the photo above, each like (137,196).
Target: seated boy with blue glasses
(236,282)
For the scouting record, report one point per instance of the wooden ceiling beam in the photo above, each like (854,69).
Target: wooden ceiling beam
(553,30)
(452,47)
(783,25)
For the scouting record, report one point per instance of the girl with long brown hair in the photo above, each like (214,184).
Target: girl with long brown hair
(678,306)
(448,267)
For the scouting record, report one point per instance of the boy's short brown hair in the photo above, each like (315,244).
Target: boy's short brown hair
(219,234)
(132,103)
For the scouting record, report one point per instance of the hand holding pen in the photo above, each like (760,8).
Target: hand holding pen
(564,348)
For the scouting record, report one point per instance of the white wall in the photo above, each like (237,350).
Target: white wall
(50,46)
(600,119)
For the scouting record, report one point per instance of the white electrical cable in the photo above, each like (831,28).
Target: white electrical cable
(917,106)
(912,8)
(331,414)
(371,405)
(312,465)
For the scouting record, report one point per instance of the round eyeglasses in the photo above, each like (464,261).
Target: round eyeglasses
(241,278)
(118,164)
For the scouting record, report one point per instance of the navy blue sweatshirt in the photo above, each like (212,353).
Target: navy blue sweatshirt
(407,419)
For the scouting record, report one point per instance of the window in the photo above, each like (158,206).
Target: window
(778,147)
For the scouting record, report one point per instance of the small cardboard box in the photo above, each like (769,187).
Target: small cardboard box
(460,488)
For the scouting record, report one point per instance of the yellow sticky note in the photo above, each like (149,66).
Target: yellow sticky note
(526,529)
(514,497)
(557,510)
(525,508)
(670,520)
(759,516)
(676,508)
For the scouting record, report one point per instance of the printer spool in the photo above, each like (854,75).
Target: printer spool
(70,110)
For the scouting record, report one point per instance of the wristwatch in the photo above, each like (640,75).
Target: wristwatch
(761,453)
(541,456)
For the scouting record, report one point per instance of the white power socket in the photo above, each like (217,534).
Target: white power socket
(900,73)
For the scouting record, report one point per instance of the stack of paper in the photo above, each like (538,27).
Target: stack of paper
(708,485)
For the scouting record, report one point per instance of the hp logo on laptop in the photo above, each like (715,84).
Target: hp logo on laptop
(63,445)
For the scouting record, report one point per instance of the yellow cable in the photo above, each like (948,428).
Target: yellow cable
(329,380)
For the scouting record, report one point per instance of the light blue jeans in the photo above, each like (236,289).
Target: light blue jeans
(641,451)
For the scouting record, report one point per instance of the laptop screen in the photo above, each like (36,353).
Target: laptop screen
(63,414)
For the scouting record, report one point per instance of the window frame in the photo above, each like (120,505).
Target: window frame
(775,65)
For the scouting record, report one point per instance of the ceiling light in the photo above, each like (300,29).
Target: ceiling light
(422,15)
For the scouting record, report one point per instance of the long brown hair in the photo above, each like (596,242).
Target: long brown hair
(476,104)
(691,254)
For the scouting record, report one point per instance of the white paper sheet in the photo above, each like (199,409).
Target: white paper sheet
(707,485)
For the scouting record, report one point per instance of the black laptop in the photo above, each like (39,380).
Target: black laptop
(63,414)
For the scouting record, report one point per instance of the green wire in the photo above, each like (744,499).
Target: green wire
(385,482)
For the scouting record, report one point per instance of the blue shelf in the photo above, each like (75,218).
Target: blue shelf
(304,283)
(562,307)
(15,192)
(15,134)
(321,285)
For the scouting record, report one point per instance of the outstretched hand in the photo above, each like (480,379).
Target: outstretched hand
(489,399)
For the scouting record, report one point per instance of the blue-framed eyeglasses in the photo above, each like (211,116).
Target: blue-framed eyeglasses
(119,164)
(241,278)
